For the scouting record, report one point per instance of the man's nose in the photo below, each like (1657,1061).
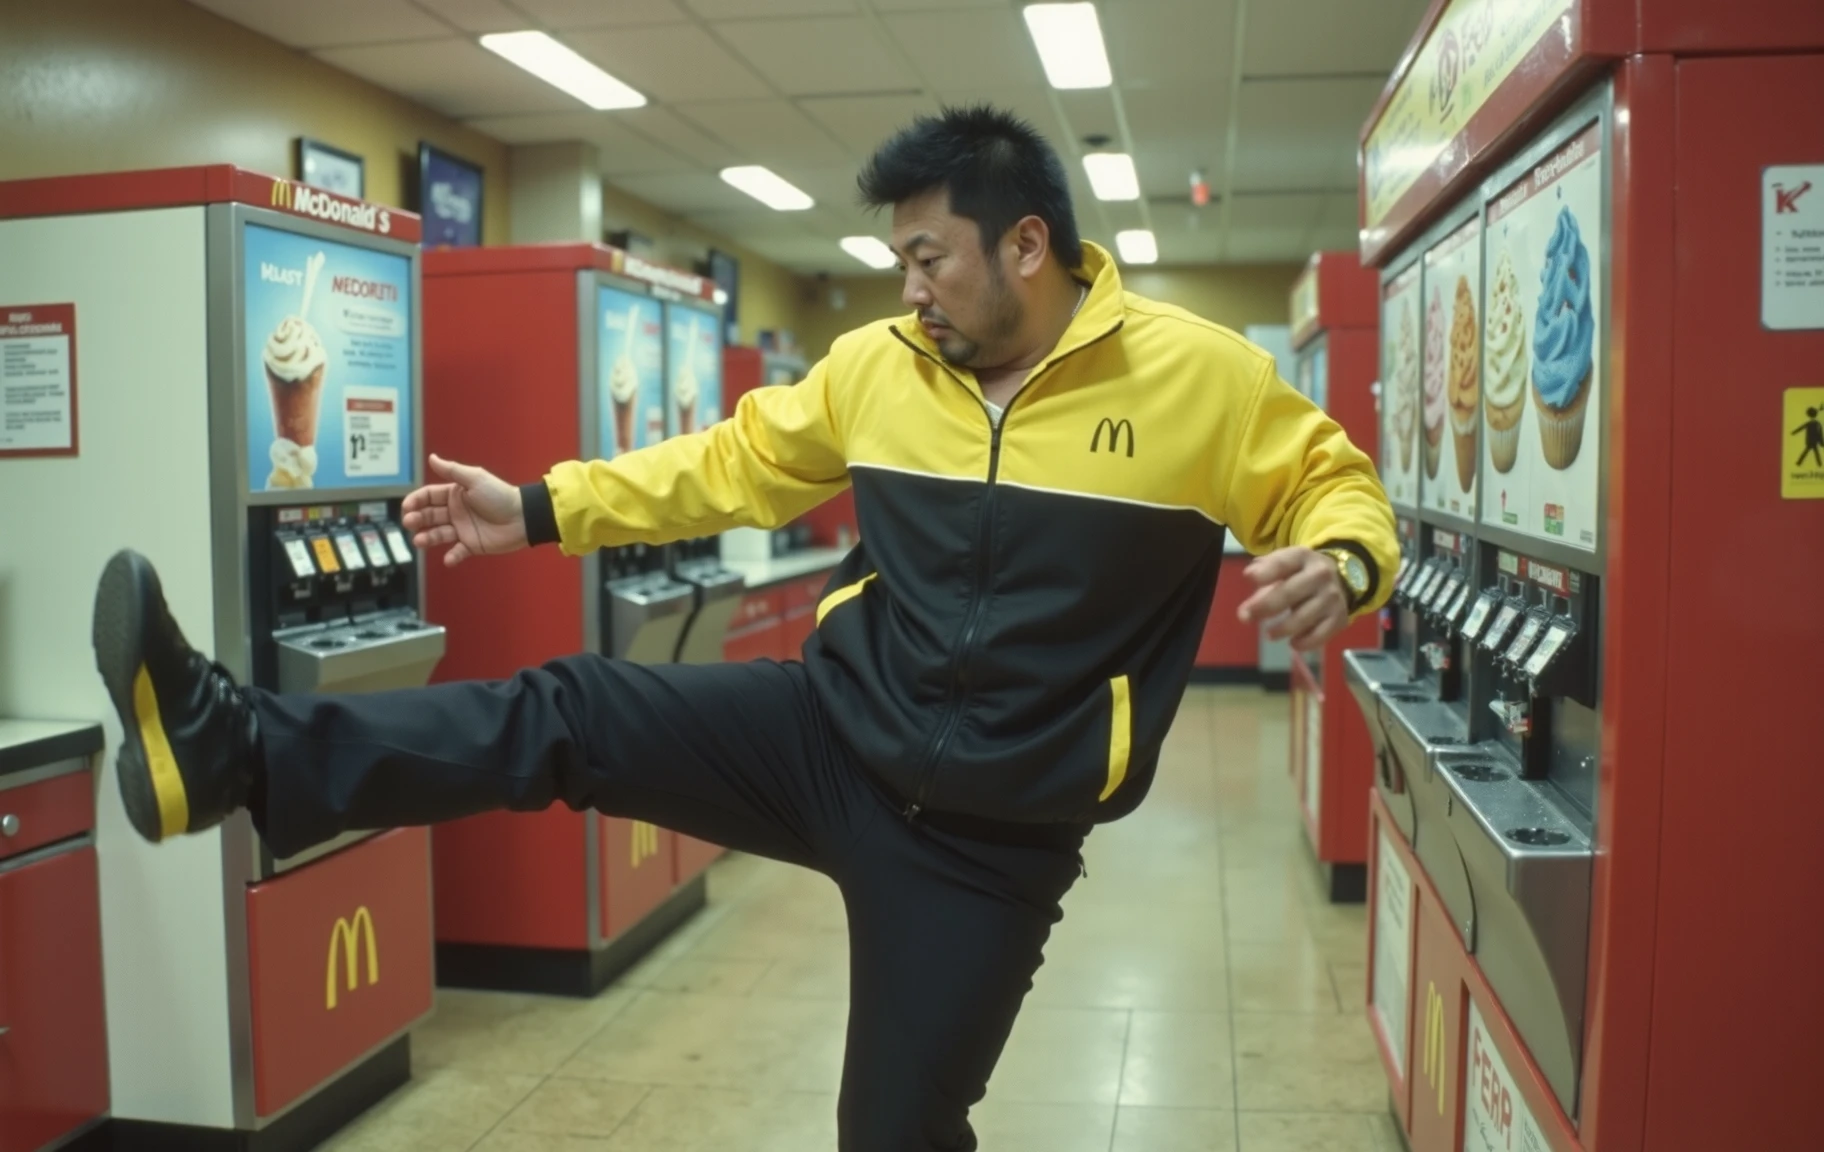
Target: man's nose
(916,293)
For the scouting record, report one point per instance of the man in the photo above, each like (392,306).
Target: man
(1043,466)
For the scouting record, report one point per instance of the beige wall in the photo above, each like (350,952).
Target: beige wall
(109,85)
(771,296)
(1233,296)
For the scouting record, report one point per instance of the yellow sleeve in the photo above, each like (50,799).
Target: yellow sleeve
(1297,481)
(778,456)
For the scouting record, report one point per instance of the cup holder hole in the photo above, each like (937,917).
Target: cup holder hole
(413,626)
(1538,837)
(328,642)
(1407,697)
(370,634)
(1480,773)
(1442,740)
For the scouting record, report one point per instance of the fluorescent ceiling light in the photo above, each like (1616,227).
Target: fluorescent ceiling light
(560,67)
(767,187)
(869,251)
(1112,175)
(1069,40)
(1137,246)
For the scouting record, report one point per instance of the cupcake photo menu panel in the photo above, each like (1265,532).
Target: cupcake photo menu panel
(1452,371)
(1542,355)
(328,337)
(1401,450)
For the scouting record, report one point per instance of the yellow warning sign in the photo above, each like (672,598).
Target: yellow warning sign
(1802,445)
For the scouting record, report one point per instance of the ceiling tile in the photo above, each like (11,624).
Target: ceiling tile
(663,126)
(863,123)
(749,224)
(456,77)
(478,16)
(563,14)
(1264,244)
(820,57)
(747,9)
(1091,113)
(1165,173)
(670,62)
(935,5)
(682,193)
(961,47)
(623,151)
(1274,211)
(331,22)
(1180,115)
(1167,43)
(1301,134)
(770,132)
(1358,38)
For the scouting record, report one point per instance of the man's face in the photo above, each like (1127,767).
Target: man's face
(965,298)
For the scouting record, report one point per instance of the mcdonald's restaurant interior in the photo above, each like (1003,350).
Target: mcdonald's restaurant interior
(1525,858)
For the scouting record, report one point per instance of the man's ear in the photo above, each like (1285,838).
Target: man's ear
(1031,240)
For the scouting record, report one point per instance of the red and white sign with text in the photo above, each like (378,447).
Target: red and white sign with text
(1495,1118)
(38,380)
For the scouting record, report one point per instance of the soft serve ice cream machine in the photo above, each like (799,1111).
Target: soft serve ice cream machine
(247,393)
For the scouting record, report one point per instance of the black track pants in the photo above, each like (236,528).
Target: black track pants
(945,930)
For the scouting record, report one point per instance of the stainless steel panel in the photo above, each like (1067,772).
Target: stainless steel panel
(647,618)
(718,593)
(395,651)
(1530,866)
(1419,729)
(1367,671)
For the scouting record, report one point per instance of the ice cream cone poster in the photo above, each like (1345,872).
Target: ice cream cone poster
(1542,357)
(328,363)
(1452,417)
(629,350)
(694,368)
(1402,454)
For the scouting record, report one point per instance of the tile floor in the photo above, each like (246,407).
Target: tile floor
(1200,996)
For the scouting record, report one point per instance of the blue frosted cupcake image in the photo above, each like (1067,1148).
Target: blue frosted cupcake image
(1564,332)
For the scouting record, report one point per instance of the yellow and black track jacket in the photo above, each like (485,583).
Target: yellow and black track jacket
(1013,634)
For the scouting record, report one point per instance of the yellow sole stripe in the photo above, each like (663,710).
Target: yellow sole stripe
(167,784)
(842,596)
(1120,735)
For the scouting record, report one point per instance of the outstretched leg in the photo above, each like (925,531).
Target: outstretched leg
(734,753)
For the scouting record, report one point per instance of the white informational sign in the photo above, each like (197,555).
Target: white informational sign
(376,549)
(37,379)
(1495,1118)
(395,543)
(1392,945)
(1544,350)
(351,553)
(299,554)
(1401,452)
(1452,408)
(1792,247)
(1314,756)
(372,431)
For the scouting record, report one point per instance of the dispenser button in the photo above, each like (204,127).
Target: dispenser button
(1436,655)
(1516,717)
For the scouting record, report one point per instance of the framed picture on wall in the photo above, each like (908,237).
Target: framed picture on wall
(331,169)
(449,199)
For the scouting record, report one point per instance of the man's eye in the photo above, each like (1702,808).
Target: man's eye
(927,262)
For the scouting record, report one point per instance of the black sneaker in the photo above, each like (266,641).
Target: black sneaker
(189,741)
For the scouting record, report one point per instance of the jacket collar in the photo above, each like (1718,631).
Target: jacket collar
(1102,313)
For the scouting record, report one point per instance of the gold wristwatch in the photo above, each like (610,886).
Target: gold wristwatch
(1354,573)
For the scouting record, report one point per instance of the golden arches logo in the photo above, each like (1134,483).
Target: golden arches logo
(348,933)
(281,194)
(645,842)
(1437,1043)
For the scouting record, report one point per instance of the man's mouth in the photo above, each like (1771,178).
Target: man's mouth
(934,329)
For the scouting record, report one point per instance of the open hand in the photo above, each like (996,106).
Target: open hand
(476,512)
(1301,593)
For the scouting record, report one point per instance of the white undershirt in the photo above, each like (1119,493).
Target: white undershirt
(995,412)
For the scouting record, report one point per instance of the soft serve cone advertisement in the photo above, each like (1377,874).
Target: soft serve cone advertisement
(694,364)
(329,364)
(1542,378)
(629,349)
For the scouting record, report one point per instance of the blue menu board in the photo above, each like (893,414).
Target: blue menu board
(629,362)
(328,373)
(693,369)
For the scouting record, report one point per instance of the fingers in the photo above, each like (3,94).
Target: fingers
(427,497)
(1311,615)
(456,555)
(427,518)
(433,537)
(1317,637)
(1287,594)
(1277,565)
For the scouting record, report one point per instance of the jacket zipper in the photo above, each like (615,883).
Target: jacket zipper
(953,700)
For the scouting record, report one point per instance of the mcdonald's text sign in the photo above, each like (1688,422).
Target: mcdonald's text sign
(340,956)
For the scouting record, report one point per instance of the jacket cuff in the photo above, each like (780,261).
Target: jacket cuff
(540,515)
(1357,603)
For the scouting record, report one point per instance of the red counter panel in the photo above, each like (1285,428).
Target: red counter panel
(48,811)
(54,1052)
(637,871)
(513,878)
(340,952)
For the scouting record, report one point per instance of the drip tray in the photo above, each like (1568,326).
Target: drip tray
(373,655)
